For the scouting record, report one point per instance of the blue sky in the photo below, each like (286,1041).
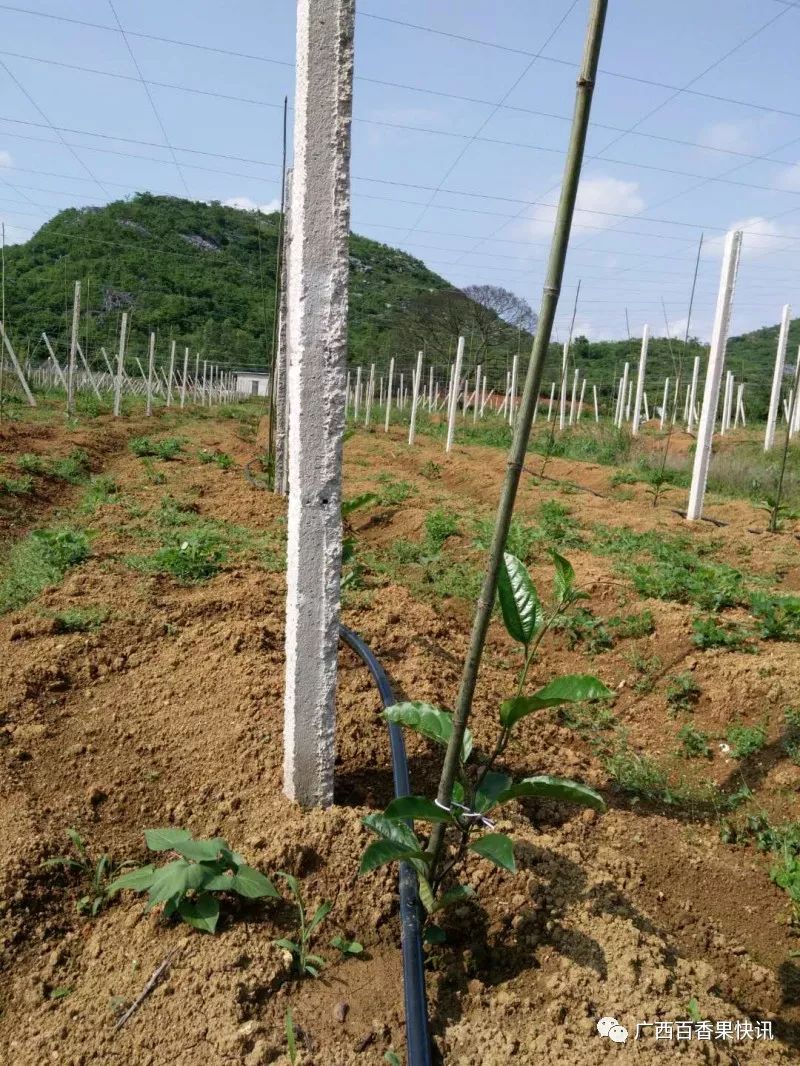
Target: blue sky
(458,144)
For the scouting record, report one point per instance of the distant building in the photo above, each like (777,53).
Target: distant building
(252,382)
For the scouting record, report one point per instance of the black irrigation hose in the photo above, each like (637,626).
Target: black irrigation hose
(418,1042)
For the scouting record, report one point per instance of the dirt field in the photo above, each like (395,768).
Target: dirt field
(167,710)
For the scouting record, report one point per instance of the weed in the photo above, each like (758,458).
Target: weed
(587,719)
(196,557)
(291,1038)
(347,947)
(708,633)
(746,740)
(392,492)
(74,468)
(584,627)
(189,885)
(791,740)
(305,962)
(79,619)
(520,541)
(647,668)
(623,477)
(154,476)
(557,527)
(101,490)
(777,617)
(786,874)
(430,470)
(643,778)
(682,692)
(16,486)
(41,559)
(166,449)
(679,575)
(97,874)
(222,459)
(32,464)
(694,742)
(633,626)
(439,526)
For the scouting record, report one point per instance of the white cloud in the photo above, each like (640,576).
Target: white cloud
(600,202)
(244,203)
(789,178)
(729,136)
(5,158)
(762,237)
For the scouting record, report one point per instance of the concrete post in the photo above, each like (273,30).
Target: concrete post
(580,401)
(777,379)
(184,378)
(430,389)
(716,360)
(693,394)
(623,389)
(151,355)
(416,385)
(573,400)
(552,397)
(389,396)
(317,346)
(513,402)
(76,314)
(123,329)
(204,384)
(370,395)
(12,355)
(56,363)
(739,390)
(477,399)
(664,403)
(451,414)
(483,396)
(196,383)
(347,396)
(596,409)
(628,401)
(357,397)
(562,405)
(88,371)
(637,407)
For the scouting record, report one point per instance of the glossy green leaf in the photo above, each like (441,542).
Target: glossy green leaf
(170,881)
(166,839)
(380,852)
(498,848)
(491,787)
(247,882)
(564,580)
(417,807)
(138,880)
(519,603)
(399,832)
(572,688)
(200,850)
(454,895)
(201,913)
(430,721)
(557,788)
(426,894)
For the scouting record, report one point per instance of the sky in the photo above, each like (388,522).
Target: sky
(460,126)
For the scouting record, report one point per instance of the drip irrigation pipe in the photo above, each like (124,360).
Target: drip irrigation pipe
(418,1043)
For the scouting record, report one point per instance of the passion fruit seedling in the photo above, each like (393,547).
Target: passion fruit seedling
(479,788)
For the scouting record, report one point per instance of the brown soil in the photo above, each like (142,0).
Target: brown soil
(171,713)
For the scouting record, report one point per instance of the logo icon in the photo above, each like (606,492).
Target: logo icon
(611,1028)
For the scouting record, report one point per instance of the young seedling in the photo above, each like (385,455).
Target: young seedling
(305,962)
(97,874)
(480,789)
(291,1039)
(347,947)
(188,887)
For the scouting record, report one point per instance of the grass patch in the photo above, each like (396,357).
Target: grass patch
(146,447)
(746,740)
(79,619)
(682,692)
(40,560)
(222,459)
(694,742)
(707,633)
(16,486)
(101,490)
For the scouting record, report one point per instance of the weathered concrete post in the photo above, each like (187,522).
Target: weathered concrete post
(596,409)
(637,407)
(664,403)
(183,379)
(623,389)
(73,349)
(550,402)
(416,385)
(477,398)
(389,396)
(451,414)
(513,402)
(151,355)
(716,360)
(370,395)
(171,373)
(357,397)
(17,368)
(777,379)
(56,363)
(123,328)
(580,400)
(562,404)
(573,400)
(317,346)
(693,394)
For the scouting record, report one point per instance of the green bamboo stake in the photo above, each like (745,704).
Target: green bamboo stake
(549,304)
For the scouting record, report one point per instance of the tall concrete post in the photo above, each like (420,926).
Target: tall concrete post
(151,356)
(716,360)
(451,414)
(637,407)
(596,409)
(477,399)
(513,400)
(416,385)
(573,400)
(664,403)
(17,368)
(317,347)
(693,394)
(389,396)
(623,388)
(777,379)
(550,402)
(580,400)
(73,349)
(183,379)
(370,394)
(562,406)
(123,329)
(171,373)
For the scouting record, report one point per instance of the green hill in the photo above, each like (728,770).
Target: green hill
(204,274)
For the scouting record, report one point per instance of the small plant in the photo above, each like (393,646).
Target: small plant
(189,886)
(96,873)
(32,464)
(291,1038)
(694,742)
(682,692)
(777,617)
(480,788)
(101,490)
(557,526)
(633,626)
(305,962)
(196,557)
(16,486)
(440,525)
(647,669)
(392,492)
(520,541)
(41,559)
(430,470)
(352,570)
(746,740)
(222,459)
(154,476)
(791,740)
(166,449)
(708,633)
(79,619)
(584,627)
(347,947)
(786,875)
(74,468)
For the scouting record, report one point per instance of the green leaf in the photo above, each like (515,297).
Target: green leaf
(417,807)
(519,602)
(426,894)
(572,688)
(320,914)
(291,881)
(379,852)
(201,913)
(287,945)
(430,721)
(170,881)
(399,832)
(60,993)
(347,947)
(364,500)
(166,839)
(564,580)
(138,880)
(291,1042)
(77,840)
(252,884)
(200,850)
(454,895)
(498,848)
(556,788)
(491,787)
(434,934)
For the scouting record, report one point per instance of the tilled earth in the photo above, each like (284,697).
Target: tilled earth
(170,713)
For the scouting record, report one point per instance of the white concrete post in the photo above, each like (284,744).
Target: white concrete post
(400,393)
(357,399)
(476,401)
(777,378)
(552,397)
(347,395)
(430,389)
(451,414)
(573,400)
(716,360)
(637,407)
(739,390)
(196,383)
(726,402)
(389,395)
(171,373)
(690,421)
(151,355)
(628,402)
(618,405)
(596,408)
(664,403)
(317,347)
(88,371)
(562,403)
(483,396)
(416,385)
(204,384)
(185,374)
(623,389)
(580,401)
(370,395)
(76,313)
(12,355)
(123,328)
(56,363)
(646,407)
(513,404)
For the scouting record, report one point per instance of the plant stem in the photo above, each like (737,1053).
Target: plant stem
(533,377)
